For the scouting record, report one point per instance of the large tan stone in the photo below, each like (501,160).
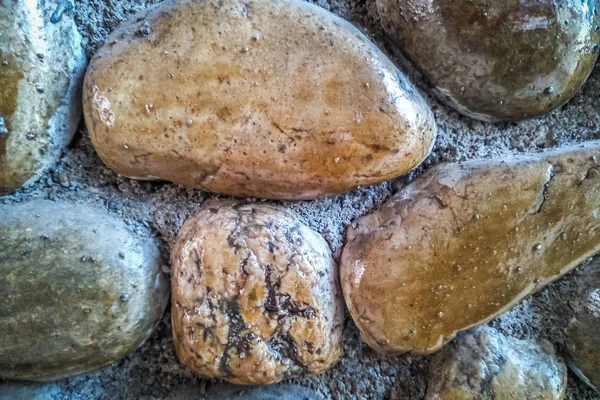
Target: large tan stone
(273,99)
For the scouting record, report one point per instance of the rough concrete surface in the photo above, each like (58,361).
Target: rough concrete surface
(153,372)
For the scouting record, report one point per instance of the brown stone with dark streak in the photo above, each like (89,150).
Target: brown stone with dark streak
(466,242)
(271,99)
(255,295)
(498,59)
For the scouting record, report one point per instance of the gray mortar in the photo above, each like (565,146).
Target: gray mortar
(153,372)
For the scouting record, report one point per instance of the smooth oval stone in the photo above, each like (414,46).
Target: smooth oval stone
(498,59)
(79,290)
(582,334)
(255,295)
(484,364)
(273,99)
(41,73)
(465,243)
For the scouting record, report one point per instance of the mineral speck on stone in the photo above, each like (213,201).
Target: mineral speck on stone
(255,295)
(484,364)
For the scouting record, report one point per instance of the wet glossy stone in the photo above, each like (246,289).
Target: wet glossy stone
(41,72)
(272,99)
(255,295)
(484,364)
(466,242)
(79,290)
(583,332)
(498,59)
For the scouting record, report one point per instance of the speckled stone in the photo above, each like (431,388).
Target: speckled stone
(41,72)
(255,295)
(484,364)
(583,332)
(79,290)
(498,59)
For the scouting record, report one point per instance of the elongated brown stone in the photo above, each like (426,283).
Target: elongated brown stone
(466,242)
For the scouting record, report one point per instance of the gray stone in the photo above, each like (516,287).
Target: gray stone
(79,290)
(484,364)
(41,73)
(498,60)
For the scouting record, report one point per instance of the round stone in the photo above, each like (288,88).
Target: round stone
(255,295)
(484,364)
